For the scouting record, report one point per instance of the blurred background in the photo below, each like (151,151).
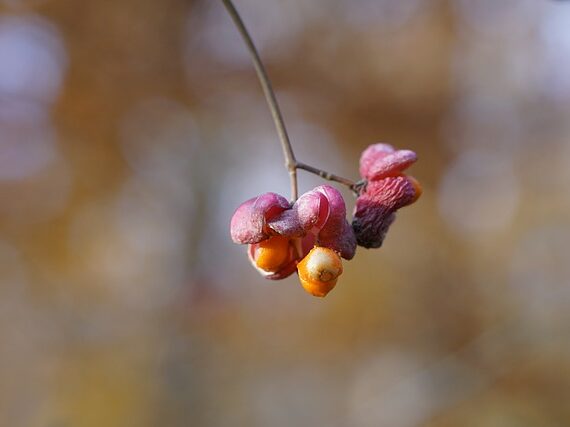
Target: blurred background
(130,131)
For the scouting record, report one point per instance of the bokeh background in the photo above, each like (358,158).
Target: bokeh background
(129,132)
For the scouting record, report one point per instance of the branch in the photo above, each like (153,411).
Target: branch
(290,162)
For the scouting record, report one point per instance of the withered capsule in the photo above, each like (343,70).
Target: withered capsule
(319,271)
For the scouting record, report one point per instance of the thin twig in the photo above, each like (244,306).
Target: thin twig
(290,162)
(356,187)
(326,175)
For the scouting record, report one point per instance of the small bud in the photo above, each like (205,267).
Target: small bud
(319,270)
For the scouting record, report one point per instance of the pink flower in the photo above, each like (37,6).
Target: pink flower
(386,191)
(280,234)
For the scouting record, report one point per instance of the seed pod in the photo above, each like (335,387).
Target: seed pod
(319,270)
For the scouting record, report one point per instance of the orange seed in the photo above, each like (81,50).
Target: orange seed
(319,270)
(272,253)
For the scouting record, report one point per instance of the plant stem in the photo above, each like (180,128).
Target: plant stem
(326,175)
(290,162)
